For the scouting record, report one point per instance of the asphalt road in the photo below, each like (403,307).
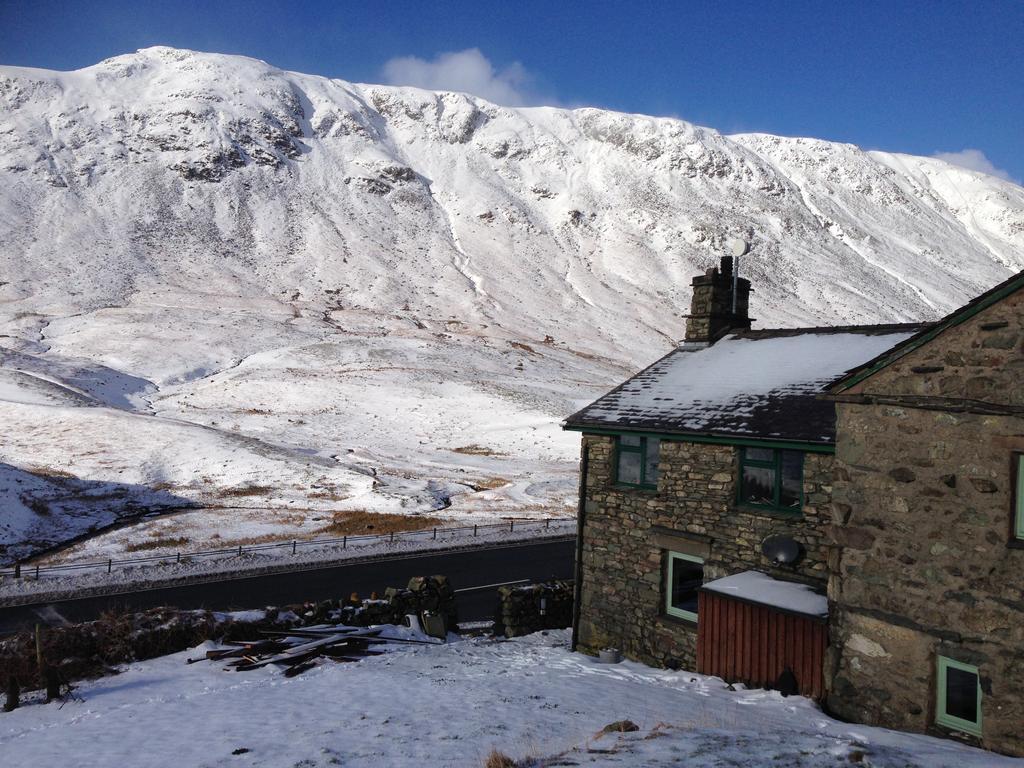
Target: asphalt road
(468,569)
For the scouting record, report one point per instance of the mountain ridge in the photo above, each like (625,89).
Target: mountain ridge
(409,288)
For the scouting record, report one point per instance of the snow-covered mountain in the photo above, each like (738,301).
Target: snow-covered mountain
(256,288)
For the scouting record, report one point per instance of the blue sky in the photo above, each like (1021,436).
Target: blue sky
(918,77)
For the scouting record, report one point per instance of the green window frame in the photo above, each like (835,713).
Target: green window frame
(775,467)
(945,668)
(1018,497)
(636,461)
(673,569)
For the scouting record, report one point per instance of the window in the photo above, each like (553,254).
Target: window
(1018,499)
(772,478)
(958,705)
(685,574)
(637,461)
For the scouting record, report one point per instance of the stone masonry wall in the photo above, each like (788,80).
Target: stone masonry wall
(626,532)
(924,565)
(980,360)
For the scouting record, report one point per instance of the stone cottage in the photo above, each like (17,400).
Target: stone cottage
(927,579)
(706,495)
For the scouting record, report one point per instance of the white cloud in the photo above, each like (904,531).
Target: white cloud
(975,160)
(468,71)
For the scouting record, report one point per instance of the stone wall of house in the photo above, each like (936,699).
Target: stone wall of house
(924,564)
(978,360)
(627,532)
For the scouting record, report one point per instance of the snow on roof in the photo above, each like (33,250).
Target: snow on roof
(760,384)
(757,587)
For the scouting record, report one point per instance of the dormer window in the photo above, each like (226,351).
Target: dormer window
(636,461)
(771,478)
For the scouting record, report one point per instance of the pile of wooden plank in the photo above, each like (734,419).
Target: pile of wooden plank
(296,650)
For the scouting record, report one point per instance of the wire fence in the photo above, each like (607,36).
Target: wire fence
(511,525)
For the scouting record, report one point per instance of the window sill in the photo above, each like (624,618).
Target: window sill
(779,512)
(649,489)
(951,732)
(668,618)
(1015,544)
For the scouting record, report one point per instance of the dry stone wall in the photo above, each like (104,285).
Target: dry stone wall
(627,532)
(533,607)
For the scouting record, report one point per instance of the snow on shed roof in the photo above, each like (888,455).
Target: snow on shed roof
(760,588)
(753,384)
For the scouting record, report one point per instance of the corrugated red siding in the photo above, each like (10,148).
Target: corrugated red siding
(753,644)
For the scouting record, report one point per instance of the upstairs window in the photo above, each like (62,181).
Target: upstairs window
(683,579)
(1018,499)
(637,461)
(772,478)
(958,704)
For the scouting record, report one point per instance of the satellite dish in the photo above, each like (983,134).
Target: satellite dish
(781,549)
(739,247)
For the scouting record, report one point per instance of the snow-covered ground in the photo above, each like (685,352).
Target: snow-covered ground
(449,705)
(277,296)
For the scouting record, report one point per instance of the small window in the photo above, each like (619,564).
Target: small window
(684,577)
(1018,499)
(637,461)
(959,696)
(771,478)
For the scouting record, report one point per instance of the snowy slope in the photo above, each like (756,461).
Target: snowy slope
(451,705)
(205,249)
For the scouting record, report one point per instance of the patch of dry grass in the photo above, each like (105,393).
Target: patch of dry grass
(51,472)
(477,450)
(363,523)
(499,760)
(328,495)
(488,483)
(247,490)
(158,542)
(524,347)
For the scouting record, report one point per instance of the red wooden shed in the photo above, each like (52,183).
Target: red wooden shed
(753,628)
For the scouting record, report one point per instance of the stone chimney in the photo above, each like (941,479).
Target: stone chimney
(711,315)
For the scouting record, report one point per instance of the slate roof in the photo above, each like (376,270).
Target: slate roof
(752,384)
